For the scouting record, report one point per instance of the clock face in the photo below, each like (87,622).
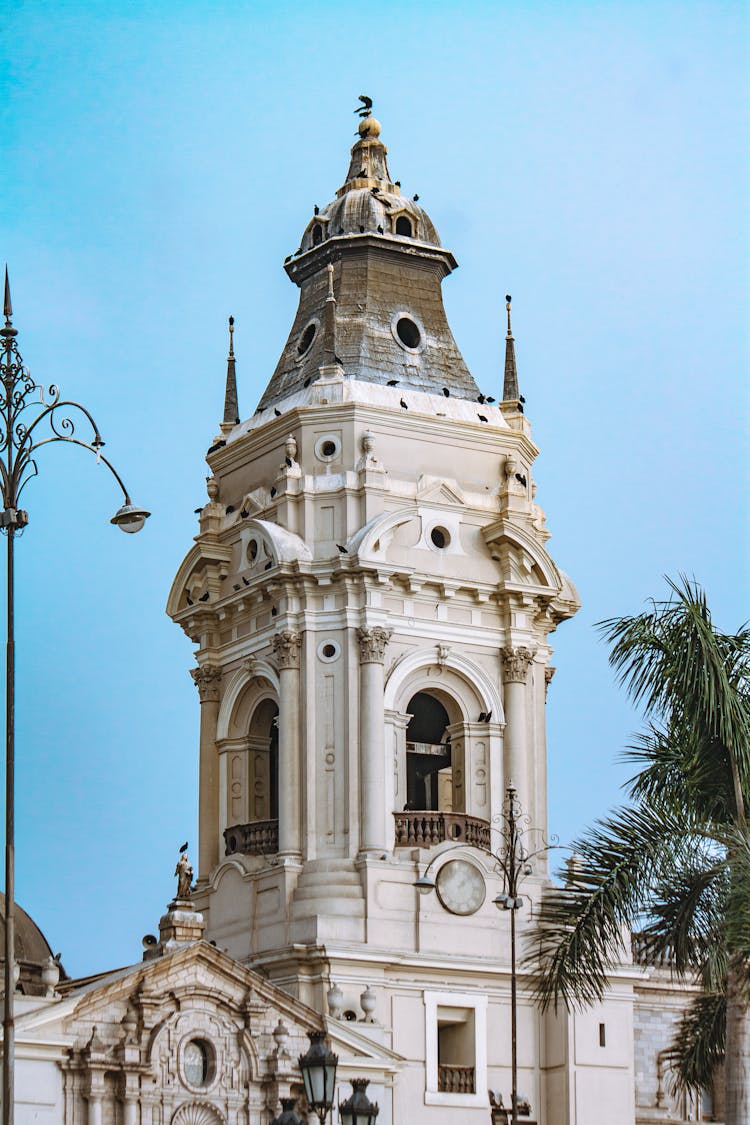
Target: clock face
(460,887)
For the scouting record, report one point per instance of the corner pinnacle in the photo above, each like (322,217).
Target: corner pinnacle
(231,408)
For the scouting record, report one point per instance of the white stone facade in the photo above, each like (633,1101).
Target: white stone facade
(371,599)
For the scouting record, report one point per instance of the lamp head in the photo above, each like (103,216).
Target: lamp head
(130,518)
(425,884)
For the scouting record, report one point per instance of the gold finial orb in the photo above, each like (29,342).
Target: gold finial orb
(369,127)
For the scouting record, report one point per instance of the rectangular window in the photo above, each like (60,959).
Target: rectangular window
(456,1042)
(456,1050)
(602,1035)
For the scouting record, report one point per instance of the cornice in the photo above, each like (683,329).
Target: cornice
(268,433)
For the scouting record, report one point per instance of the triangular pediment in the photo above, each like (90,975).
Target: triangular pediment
(439,490)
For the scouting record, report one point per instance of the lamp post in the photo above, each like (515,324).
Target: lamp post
(358,1109)
(513,862)
(29,420)
(318,1066)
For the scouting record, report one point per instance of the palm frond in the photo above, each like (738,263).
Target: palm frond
(686,928)
(690,677)
(580,930)
(699,1043)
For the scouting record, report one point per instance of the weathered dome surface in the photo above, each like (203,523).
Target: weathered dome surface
(361,210)
(32,949)
(389,323)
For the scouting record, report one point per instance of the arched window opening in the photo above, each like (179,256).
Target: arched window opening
(429,773)
(317,234)
(404,227)
(264,773)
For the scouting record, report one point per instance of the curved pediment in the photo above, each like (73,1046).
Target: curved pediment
(199,578)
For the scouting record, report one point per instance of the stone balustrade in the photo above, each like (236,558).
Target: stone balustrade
(260,837)
(415,829)
(455,1079)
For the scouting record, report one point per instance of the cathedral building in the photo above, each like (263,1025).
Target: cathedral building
(371,597)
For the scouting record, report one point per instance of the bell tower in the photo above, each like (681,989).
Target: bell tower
(371,597)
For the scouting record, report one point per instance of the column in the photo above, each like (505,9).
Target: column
(372,643)
(516,663)
(286,648)
(207,678)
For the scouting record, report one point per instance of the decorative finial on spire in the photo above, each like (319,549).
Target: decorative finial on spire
(8,331)
(231,408)
(365,109)
(510,382)
(329,322)
(7,306)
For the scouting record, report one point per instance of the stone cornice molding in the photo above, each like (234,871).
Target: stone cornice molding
(286,648)
(372,643)
(516,663)
(206,678)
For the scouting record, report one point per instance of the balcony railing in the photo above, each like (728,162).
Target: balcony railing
(261,837)
(455,1079)
(416,829)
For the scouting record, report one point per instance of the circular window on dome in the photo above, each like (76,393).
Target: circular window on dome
(306,339)
(407,332)
(199,1063)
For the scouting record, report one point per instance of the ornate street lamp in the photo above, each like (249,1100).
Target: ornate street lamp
(513,862)
(358,1109)
(318,1068)
(288,1115)
(29,420)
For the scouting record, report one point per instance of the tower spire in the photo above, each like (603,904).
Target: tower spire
(510,382)
(231,409)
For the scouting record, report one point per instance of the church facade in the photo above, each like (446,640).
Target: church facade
(371,598)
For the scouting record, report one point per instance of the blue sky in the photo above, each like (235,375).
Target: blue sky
(160,161)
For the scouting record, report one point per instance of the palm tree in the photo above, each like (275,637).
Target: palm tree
(674,864)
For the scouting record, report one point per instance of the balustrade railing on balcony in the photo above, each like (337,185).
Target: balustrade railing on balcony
(455,1079)
(416,829)
(260,837)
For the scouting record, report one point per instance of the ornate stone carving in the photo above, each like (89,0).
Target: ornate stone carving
(549,672)
(286,647)
(184,875)
(368,460)
(206,679)
(516,664)
(372,642)
(443,651)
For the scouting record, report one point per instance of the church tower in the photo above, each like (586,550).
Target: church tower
(371,597)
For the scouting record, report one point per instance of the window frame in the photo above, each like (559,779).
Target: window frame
(433,1001)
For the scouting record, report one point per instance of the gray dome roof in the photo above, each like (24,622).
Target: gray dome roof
(369,201)
(31,952)
(361,210)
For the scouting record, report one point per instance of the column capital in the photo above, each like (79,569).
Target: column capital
(206,678)
(549,672)
(372,642)
(516,663)
(286,648)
